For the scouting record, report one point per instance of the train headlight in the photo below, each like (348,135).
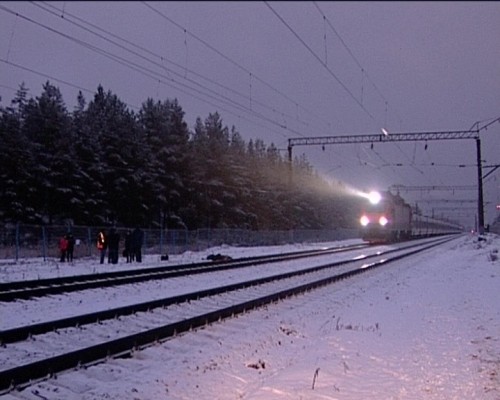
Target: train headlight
(383,221)
(374,197)
(364,220)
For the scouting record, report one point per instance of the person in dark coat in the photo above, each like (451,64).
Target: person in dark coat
(113,245)
(71,247)
(137,242)
(128,252)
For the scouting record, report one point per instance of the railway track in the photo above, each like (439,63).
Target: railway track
(12,291)
(33,353)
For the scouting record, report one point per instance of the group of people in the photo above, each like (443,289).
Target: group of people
(110,242)
(67,247)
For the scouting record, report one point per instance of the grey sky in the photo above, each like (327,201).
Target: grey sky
(404,66)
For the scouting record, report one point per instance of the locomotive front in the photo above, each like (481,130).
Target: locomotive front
(386,218)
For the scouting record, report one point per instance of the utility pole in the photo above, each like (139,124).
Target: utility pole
(480,206)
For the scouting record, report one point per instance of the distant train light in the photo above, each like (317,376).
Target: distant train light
(374,197)
(364,220)
(383,221)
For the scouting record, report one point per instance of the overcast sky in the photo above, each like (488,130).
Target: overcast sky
(282,70)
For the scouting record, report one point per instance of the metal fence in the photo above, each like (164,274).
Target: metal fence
(20,241)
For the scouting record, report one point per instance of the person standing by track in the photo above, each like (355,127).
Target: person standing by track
(113,246)
(71,247)
(63,247)
(102,244)
(137,241)
(128,252)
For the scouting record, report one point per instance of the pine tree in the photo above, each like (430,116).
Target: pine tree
(114,159)
(165,135)
(16,162)
(46,125)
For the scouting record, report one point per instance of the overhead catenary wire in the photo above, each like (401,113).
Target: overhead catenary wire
(65,82)
(364,73)
(94,48)
(340,82)
(107,54)
(151,74)
(8,87)
(337,79)
(74,86)
(214,95)
(186,64)
(363,70)
(230,60)
(52,78)
(184,68)
(11,37)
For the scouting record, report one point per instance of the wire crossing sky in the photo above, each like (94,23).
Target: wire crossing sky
(280,70)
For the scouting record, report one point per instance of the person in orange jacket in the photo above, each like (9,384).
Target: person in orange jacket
(63,247)
(102,244)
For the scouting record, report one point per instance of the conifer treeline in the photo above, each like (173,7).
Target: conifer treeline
(104,164)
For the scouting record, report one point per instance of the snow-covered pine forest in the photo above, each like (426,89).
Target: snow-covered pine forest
(104,163)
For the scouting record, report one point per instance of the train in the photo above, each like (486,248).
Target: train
(386,217)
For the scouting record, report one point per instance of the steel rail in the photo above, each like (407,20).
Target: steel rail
(27,374)
(22,333)
(12,291)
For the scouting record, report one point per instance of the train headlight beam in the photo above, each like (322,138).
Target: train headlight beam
(374,197)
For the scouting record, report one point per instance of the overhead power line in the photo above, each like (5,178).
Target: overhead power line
(182,76)
(251,74)
(362,69)
(156,76)
(320,61)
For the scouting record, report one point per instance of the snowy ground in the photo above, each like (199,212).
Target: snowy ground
(36,268)
(428,329)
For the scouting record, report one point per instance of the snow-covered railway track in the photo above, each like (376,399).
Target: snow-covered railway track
(12,291)
(72,347)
